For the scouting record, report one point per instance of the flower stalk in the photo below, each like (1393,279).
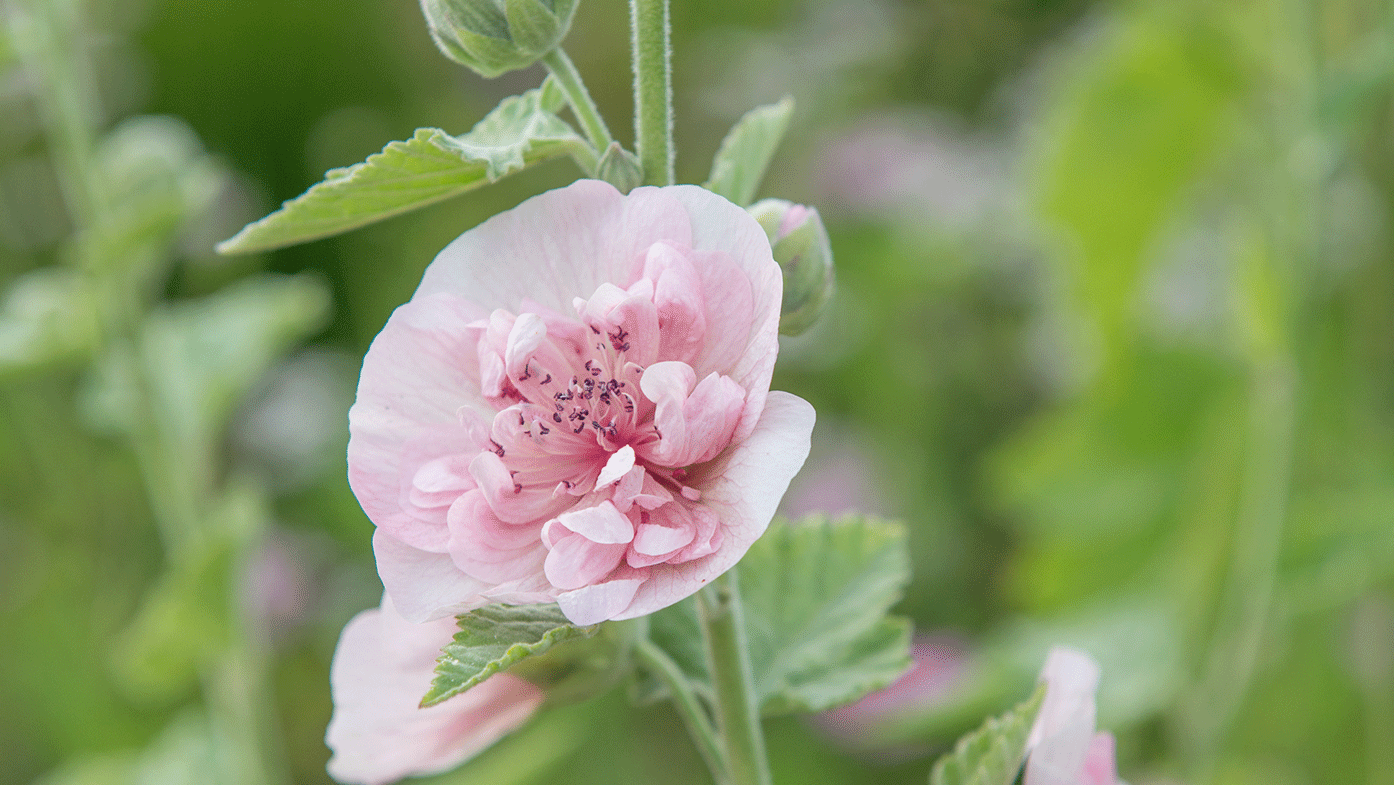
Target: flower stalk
(694,714)
(653,88)
(579,98)
(733,684)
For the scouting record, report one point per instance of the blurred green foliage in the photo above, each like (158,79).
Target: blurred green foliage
(1114,334)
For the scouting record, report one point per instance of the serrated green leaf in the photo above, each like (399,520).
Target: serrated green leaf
(746,151)
(425,169)
(992,754)
(815,596)
(495,637)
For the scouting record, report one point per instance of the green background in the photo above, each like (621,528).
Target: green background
(1114,335)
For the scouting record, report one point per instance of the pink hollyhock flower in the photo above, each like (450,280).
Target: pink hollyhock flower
(383,665)
(575,407)
(1063,747)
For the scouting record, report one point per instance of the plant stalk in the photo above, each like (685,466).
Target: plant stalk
(694,714)
(728,660)
(653,88)
(582,105)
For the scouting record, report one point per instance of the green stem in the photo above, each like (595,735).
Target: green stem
(653,88)
(693,713)
(728,659)
(582,105)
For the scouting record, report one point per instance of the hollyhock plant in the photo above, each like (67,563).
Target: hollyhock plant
(574,406)
(378,734)
(1063,747)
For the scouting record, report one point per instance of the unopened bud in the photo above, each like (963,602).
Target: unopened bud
(801,247)
(493,37)
(620,168)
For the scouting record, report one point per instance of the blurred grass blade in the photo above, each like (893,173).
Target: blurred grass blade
(746,151)
(425,169)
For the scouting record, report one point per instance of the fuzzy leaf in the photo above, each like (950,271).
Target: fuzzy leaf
(427,168)
(815,595)
(746,151)
(495,637)
(992,754)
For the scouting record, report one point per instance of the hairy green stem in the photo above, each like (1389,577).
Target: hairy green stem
(582,105)
(694,714)
(728,659)
(653,88)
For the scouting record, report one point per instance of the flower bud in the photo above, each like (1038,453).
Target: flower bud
(620,168)
(800,245)
(493,37)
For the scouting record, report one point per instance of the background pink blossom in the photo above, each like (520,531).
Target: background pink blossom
(382,667)
(1063,747)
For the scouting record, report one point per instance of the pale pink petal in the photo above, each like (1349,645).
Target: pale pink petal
(575,562)
(382,667)
(742,488)
(488,549)
(619,464)
(1100,767)
(716,227)
(1060,738)
(416,377)
(558,245)
(508,499)
(1072,678)
(427,586)
(712,412)
(679,300)
(601,523)
(652,539)
(598,602)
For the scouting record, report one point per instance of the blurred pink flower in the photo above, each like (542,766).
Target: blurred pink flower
(382,667)
(939,663)
(1063,747)
(575,406)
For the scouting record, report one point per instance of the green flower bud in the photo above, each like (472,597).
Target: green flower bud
(800,245)
(493,37)
(620,168)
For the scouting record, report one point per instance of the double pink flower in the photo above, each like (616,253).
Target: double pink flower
(575,407)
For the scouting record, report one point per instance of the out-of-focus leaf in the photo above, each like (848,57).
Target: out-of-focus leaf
(186,619)
(493,638)
(183,621)
(815,596)
(746,151)
(199,357)
(150,176)
(427,168)
(47,316)
(1133,123)
(992,754)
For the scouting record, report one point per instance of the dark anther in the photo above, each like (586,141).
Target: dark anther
(498,448)
(556,416)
